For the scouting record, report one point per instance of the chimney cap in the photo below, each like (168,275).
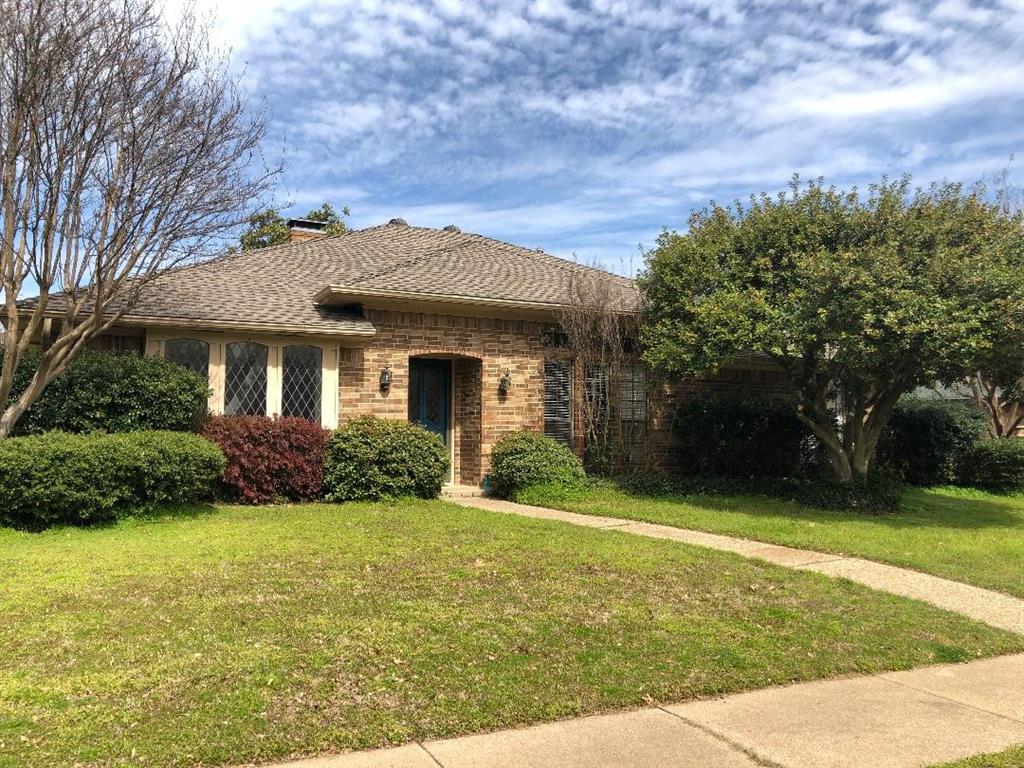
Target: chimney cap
(399,222)
(308,224)
(452,228)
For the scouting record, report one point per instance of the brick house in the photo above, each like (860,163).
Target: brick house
(449,329)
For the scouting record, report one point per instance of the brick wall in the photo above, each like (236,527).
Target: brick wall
(754,377)
(482,349)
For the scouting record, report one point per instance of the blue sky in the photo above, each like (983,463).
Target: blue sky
(588,127)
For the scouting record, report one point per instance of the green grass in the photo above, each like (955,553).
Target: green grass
(238,634)
(961,534)
(1010,758)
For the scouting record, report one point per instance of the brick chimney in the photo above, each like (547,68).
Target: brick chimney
(300,230)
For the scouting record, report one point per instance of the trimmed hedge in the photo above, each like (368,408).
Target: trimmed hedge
(523,459)
(64,478)
(926,438)
(994,464)
(729,436)
(113,393)
(370,458)
(269,458)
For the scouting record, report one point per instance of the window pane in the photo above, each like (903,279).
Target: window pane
(595,410)
(189,353)
(633,393)
(558,400)
(633,411)
(301,382)
(245,379)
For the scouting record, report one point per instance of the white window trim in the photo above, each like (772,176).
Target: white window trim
(157,338)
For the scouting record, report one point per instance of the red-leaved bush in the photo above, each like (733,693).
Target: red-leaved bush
(269,458)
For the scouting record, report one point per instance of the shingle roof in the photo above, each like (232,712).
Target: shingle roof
(277,285)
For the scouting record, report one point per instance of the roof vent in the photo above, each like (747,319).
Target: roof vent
(452,228)
(399,222)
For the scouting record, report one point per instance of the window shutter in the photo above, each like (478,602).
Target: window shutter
(558,401)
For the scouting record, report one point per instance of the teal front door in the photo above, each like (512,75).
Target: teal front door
(429,384)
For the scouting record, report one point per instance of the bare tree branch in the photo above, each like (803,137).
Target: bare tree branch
(126,149)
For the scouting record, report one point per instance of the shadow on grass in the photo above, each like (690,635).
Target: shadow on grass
(922,508)
(157,514)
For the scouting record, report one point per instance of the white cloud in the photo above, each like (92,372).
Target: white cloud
(560,123)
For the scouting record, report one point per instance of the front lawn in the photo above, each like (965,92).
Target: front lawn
(1010,758)
(961,534)
(237,634)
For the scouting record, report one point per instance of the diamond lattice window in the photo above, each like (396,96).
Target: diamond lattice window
(245,379)
(301,382)
(189,353)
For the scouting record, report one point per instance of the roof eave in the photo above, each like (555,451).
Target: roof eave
(250,326)
(335,295)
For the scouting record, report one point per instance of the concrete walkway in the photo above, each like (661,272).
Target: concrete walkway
(894,720)
(993,608)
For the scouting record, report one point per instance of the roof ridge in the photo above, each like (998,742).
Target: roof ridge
(534,253)
(410,262)
(560,261)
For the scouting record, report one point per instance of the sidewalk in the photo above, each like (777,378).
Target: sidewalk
(993,608)
(893,720)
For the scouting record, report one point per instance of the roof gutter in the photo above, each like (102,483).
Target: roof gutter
(235,325)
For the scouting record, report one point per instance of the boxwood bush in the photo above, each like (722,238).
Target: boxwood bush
(370,458)
(994,464)
(523,459)
(720,435)
(64,478)
(926,438)
(269,458)
(113,393)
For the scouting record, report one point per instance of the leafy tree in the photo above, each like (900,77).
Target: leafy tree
(268,227)
(327,214)
(998,383)
(858,298)
(998,386)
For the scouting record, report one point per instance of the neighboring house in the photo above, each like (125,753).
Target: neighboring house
(453,330)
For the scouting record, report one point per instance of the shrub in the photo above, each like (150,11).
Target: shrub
(269,459)
(522,459)
(370,458)
(730,436)
(994,464)
(113,393)
(880,492)
(63,478)
(927,437)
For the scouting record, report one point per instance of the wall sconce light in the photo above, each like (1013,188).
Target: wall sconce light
(505,382)
(385,378)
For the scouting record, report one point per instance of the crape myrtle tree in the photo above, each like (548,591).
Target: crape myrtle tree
(126,149)
(997,385)
(859,298)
